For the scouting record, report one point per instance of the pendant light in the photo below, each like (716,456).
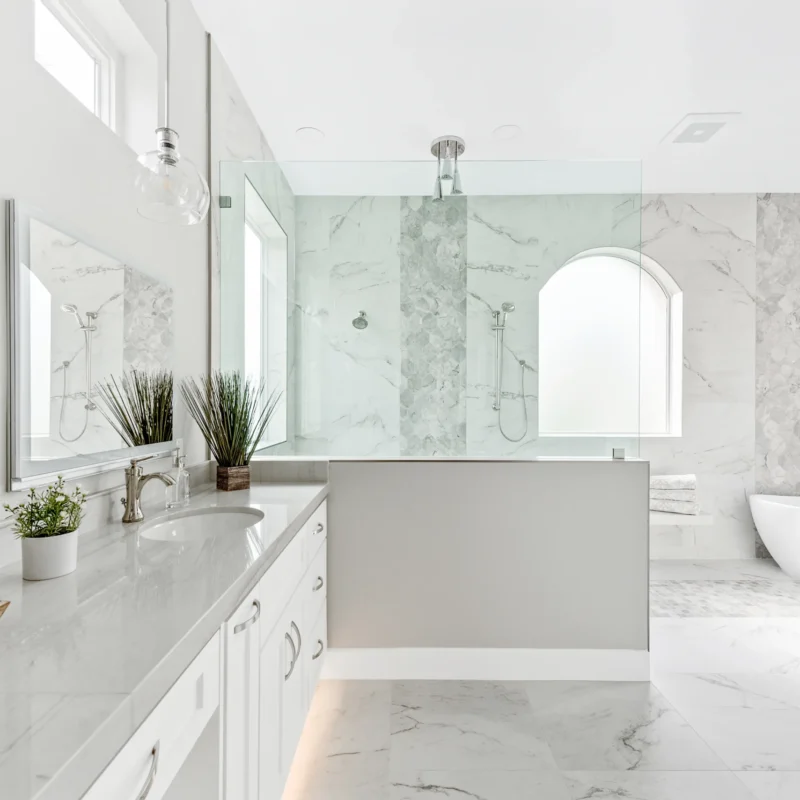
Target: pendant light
(170,188)
(447,150)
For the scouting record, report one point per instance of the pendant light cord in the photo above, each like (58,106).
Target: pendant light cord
(166,81)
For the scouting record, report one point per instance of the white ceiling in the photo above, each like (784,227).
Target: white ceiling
(584,79)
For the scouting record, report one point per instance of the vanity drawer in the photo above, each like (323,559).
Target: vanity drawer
(156,751)
(276,588)
(315,588)
(316,531)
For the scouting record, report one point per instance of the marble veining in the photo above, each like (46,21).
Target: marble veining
(433,306)
(84,659)
(708,245)
(777,345)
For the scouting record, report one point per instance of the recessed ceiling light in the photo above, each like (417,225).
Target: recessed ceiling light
(699,128)
(507,132)
(309,135)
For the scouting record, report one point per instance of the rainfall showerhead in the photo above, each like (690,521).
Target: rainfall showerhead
(360,322)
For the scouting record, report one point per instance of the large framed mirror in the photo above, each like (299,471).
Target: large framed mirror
(80,319)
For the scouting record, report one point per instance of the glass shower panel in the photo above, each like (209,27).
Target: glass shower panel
(502,323)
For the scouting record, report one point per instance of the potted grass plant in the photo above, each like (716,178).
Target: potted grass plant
(47,523)
(232,413)
(139,406)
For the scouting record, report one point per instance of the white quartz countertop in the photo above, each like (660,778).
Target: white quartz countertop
(85,658)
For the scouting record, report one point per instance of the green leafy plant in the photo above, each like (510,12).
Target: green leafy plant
(231,413)
(139,407)
(49,513)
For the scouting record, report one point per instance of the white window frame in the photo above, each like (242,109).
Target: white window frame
(109,65)
(674,353)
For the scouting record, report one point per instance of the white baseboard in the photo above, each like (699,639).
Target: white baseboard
(486,664)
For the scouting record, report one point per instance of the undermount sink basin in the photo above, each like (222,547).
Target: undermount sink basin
(204,523)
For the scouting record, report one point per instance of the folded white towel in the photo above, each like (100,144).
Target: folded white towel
(687,495)
(674,507)
(673,482)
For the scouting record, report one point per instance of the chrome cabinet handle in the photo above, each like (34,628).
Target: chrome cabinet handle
(248,622)
(319,584)
(319,652)
(151,776)
(320,527)
(294,658)
(299,638)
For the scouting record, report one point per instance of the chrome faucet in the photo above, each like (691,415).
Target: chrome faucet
(135,481)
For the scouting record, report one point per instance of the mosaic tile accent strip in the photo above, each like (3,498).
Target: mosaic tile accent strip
(147,322)
(433,327)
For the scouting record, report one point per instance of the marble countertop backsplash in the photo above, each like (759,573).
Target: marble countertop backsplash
(85,658)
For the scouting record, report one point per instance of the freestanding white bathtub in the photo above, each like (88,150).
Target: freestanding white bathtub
(777,519)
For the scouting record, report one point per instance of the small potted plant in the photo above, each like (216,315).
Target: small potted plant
(47,522)
(232,414)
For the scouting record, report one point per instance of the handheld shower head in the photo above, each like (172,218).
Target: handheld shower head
(69,308)
(508,308)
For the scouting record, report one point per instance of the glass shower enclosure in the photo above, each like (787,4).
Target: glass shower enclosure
(515,320)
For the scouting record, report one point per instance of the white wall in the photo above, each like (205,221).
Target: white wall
(55,155)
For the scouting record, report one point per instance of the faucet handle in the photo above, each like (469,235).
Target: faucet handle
(136,461)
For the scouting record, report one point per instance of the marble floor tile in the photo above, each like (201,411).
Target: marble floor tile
(616,726)
(716,598)
(740,690)
(356,776)
(725,645)
(655,786)
(344,751)
(710,570)
(772,785)
(478,785)
(750,738)
(456,726)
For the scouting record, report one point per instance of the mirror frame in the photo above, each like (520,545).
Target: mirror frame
(73,467)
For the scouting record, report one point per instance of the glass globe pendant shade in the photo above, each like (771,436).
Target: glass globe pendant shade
(170,188)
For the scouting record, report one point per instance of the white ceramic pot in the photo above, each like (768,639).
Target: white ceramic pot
(48,557)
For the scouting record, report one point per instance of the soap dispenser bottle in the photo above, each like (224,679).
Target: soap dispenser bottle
(178,495)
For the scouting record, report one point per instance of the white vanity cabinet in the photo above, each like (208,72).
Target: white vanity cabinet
(153,756)
(259,672)
(242,634)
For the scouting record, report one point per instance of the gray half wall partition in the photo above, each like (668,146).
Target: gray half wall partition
(488,554)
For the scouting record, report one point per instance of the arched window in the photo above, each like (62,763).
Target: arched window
(610,347)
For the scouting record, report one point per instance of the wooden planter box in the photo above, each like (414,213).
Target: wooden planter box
(231,479)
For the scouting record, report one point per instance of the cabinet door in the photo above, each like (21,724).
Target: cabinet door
(242,637)
(281,702)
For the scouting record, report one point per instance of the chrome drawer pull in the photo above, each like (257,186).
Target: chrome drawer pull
(319,584)
(299,638)
(319,652)
(294,658)
(320,527)
(151,776)
(248,622)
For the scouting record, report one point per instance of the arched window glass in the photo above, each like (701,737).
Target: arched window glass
(610,348)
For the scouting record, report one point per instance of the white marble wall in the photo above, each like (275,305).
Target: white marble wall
(514,245)
(707,243)
(778,345)
(77,274)
(348,379)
